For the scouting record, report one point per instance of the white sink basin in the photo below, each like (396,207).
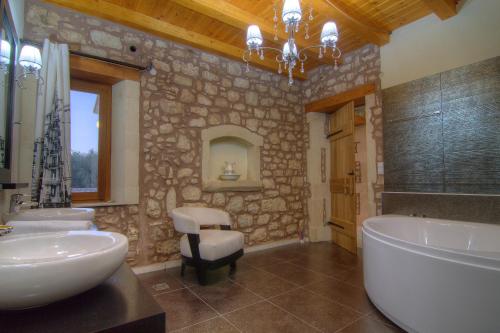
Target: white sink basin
(29,227)
(39,269)
(42,214)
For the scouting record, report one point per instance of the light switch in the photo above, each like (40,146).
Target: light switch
(380,168)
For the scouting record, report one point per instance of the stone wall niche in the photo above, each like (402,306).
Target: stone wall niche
(232,144)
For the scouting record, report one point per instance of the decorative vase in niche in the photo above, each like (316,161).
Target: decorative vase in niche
(228,172)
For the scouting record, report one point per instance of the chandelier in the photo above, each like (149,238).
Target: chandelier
(290,56)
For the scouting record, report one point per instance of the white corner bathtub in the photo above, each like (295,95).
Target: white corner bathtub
(433,276)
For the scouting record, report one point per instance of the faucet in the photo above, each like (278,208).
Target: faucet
(5,229)
(16,201)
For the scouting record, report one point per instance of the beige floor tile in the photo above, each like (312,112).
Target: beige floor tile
(217,325)
(317,311)
(160,282)
(343,293)
(265,317)
(182,309)
(262,283)
(226,296)
(369,325)
(293,273)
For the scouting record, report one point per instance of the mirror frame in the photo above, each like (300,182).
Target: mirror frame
(6,20)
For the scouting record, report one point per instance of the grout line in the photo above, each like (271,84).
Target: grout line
(442,129)
(242,286)
(337,302)
(201,299)
(262,299)
(243,307)
(345,282)
(371,315)
(283,293)
(308,284)
(300,319)
(236,309)
(348,270)
(266,298)
(167,292)
(277,276)
(352,322)
(231,323)
(191,325)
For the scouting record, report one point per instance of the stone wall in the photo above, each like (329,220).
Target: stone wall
(125,220)
(358,68)
(187,91)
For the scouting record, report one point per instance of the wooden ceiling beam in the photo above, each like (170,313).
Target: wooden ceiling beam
(134,19)
(343,15)
(444,9)
(227,13)
(100,71)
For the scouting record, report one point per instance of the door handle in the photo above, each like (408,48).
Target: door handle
(336,225)
(334,133)
(337,132)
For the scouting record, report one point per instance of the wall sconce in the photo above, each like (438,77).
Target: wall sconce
(4,56)
(31,62)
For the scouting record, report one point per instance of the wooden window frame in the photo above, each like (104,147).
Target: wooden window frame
(104,151)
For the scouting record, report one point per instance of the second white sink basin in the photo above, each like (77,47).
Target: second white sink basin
(30,227)
(39,269)
(43,214)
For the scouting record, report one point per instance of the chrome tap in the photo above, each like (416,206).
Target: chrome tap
(5,229)
(17,200)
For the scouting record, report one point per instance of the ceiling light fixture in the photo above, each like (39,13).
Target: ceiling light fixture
(31,61)
(5,53)
(289,57)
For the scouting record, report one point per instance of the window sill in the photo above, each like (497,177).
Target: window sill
(101,204)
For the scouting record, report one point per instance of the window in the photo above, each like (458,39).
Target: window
(90,140)
(109,94)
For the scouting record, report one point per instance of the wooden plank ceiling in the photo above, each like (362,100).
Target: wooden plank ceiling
(220,25)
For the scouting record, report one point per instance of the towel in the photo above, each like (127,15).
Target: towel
(25,227)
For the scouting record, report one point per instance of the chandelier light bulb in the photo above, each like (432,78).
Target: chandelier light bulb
(30,57)
(254,36)
(292,13)
(329,34)
(286,51)
(4,52)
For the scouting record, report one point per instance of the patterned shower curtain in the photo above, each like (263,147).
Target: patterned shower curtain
(51,172)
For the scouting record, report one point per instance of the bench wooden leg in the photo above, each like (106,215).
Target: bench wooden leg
(201,273)
(183,268)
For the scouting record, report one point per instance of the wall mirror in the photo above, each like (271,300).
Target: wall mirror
(7,72)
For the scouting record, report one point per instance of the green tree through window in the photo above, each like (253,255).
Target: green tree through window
(84,168)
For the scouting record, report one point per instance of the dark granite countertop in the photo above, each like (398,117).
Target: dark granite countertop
(121,304)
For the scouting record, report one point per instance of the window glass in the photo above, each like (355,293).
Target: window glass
(84,141)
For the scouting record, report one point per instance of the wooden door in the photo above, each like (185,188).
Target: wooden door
(343,215)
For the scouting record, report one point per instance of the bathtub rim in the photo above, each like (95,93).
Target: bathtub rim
(441,253)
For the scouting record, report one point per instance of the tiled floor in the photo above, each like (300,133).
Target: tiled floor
(316,287)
